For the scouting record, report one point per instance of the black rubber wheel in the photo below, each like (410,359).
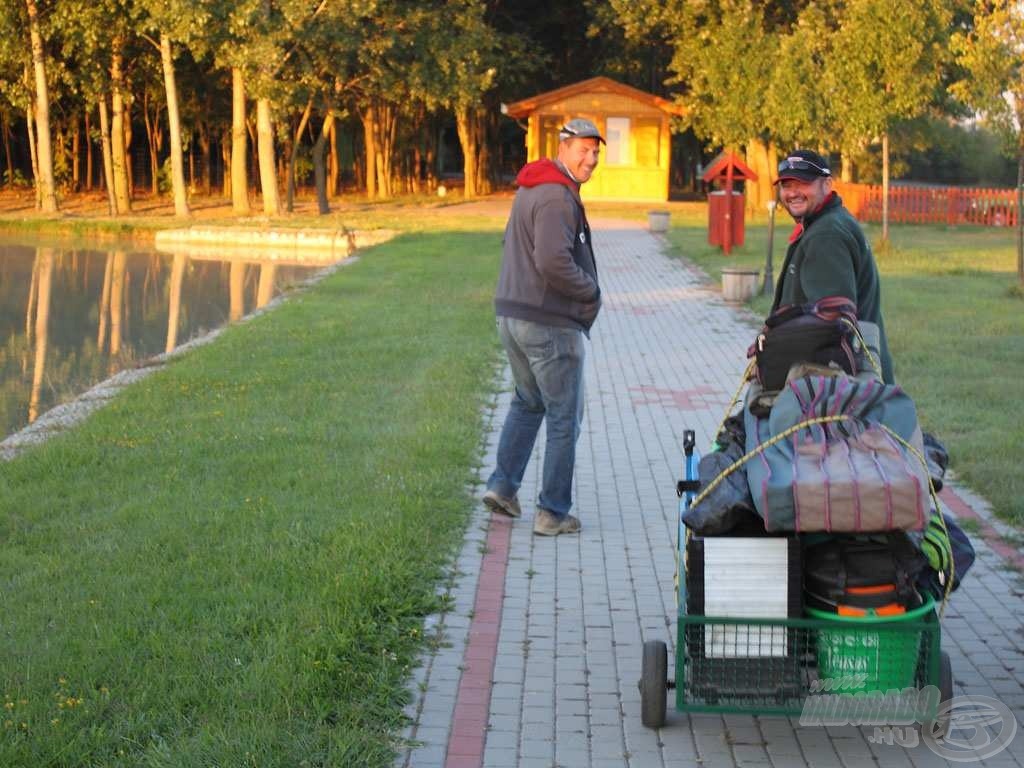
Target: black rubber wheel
(946,690)
(654,684)
(939,727)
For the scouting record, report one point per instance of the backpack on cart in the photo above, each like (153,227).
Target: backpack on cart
(852,575)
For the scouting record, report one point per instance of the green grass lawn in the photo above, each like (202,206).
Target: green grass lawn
(229,565)
(956,329)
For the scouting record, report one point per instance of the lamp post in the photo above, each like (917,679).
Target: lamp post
(769,280)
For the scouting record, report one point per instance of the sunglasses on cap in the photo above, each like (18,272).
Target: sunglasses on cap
(800,164)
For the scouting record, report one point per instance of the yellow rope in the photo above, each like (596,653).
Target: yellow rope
(751,454)
(864,345)
(736,397)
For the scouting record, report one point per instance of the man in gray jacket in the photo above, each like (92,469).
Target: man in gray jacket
(547,300)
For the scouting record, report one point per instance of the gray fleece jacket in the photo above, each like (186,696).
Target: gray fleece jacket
(548,271)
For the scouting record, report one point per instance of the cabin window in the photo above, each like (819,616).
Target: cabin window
(617,151)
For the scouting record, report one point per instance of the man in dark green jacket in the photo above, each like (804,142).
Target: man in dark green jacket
(828,254)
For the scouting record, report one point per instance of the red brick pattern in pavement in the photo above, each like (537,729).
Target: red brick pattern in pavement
(472,702)
(964,511)
(693,399)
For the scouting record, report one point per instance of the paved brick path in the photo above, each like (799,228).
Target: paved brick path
(541,650)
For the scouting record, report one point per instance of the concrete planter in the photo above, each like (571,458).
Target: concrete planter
(739,283)
(657,221)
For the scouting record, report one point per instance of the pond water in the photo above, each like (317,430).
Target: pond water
(73,315)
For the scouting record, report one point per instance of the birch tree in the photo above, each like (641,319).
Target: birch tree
(44,145)
(167,22)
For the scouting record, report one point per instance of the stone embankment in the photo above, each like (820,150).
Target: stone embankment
(289,246)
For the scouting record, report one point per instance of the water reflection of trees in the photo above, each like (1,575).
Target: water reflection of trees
(75,316)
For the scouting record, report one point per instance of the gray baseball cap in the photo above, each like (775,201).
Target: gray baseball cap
(580,128)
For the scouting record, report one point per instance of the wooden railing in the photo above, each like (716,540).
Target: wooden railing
(932,205)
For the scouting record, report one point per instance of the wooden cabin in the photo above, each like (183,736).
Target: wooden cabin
(635,162)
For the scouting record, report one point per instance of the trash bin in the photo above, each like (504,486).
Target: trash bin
(725,218)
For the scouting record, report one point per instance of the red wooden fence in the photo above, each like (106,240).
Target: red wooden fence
(932,205)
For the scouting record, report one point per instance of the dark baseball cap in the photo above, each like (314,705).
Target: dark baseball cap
(804,165)
(580,128)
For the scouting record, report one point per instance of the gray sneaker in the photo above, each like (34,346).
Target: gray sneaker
(502,505)
(548,524)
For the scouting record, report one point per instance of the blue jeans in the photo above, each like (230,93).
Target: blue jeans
(547,366)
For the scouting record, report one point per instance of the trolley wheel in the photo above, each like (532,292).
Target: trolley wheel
(654,684)
(939,727)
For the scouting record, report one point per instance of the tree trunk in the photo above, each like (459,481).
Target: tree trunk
(117,279)
(174,300)
(483,158)
(268,168)
(417,163)
(45,267)
(5,128)
(369,116)
(379,127)
(31,308)
(76,151)
(153,144)
(206,159)
(89,171)
(47,190)
(129,166)
(30,124)
(1020,217)
(174,126)
(296,139)
(236,285)
(108,155)
(265,289)
(760,157)
(319,170)
(239,148)
(118,146)
(846,172)
(387,125)
(885,187)
(334,164)
(466,127)
(108,276)
(226,153)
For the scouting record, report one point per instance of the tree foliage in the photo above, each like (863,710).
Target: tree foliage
(992,53)
(371,83)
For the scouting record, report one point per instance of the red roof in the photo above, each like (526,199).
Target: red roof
(719,168)
(524,107)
